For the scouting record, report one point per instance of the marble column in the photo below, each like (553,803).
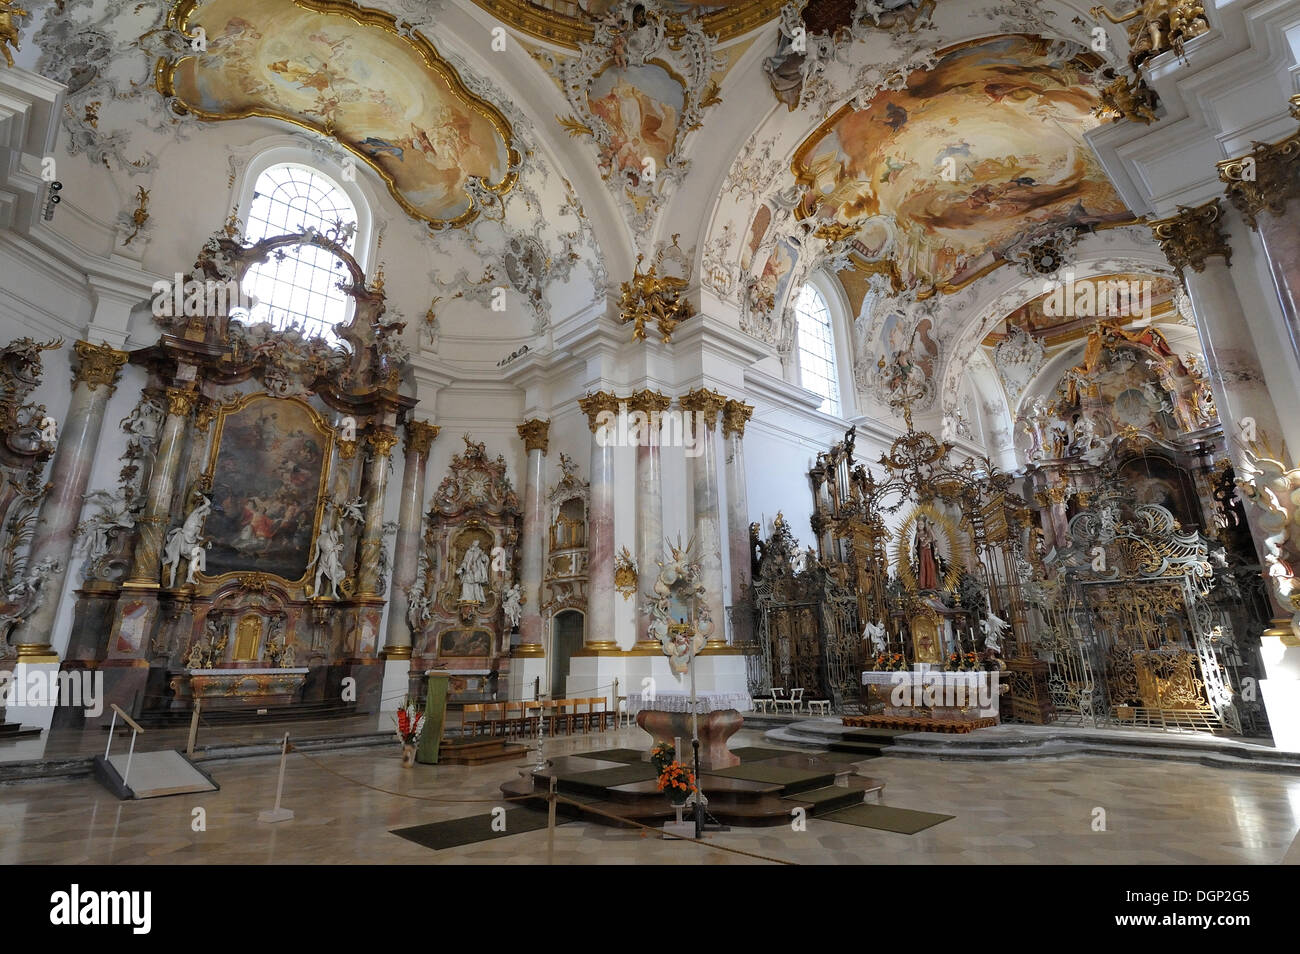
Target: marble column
(734,417)
(1194,242)
(649,510)
(600,522)
(1264,186)
(406,549)
(151,525)
(705,406)
(94,379)
(381,441)
(535,435)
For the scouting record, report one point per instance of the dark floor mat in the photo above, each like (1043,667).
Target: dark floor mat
(792,778)
(756,753)
(602,779)
(475,828)
(903,821)
(615,755)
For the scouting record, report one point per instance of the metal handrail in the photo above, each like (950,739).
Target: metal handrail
(135,730)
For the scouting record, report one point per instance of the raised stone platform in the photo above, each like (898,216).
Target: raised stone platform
(758,792)
(1014,741)
(918,723)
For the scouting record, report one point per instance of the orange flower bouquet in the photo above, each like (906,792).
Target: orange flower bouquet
(677,781)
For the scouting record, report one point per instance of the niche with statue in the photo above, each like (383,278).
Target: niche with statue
(460,604)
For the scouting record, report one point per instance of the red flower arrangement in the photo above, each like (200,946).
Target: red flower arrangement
(409,720)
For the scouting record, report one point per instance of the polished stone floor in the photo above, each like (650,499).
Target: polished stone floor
(346,804)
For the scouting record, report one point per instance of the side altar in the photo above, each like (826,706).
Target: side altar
(243,556)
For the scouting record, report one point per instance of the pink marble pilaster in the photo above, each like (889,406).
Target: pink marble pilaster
(535,435)
(406,548)
(95,373)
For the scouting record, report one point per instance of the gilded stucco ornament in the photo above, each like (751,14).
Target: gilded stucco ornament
(621,90)
(1157,26)
(652,298)
(625,573)
(9,14)
(1121,100)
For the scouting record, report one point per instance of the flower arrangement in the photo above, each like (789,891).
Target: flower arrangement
(677,780)
(962,662)
(890,662)
(409,721)
(663,755)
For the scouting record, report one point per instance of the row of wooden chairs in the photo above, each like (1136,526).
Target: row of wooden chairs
(510,719)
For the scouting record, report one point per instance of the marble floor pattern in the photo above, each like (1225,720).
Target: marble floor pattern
(1006,812)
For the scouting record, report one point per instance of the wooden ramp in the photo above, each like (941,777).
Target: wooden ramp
(152,775)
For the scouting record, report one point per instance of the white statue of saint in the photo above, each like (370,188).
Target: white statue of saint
(198,563)
(512,605)
(876,633)
(473,574)
(327,559)
(183,539)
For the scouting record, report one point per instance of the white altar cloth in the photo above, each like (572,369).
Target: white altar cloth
(936,688)
(681,702)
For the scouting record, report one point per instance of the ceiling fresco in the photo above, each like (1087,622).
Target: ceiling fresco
(945,174)
(345,71)
(1059,328)
(571,22)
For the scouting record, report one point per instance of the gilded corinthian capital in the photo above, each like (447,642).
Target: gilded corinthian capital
(420,436)
(181,401)
(1192,236)
(593,405)
(97,364)
(735,416)
(649,402)
(710,403)
(1266,178)
(535,434)
(382,441)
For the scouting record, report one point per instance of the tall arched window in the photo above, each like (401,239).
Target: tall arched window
(816,348)
(302,286)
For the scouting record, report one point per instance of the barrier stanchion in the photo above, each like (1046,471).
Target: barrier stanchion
(278,814)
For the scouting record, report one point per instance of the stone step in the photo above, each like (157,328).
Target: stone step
(13,731)
(821,801)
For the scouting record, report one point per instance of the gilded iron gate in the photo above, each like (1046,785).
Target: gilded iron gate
(806,626)
(1128,627)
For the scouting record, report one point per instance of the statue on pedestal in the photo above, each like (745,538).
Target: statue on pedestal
(512,605)
(875,632)
(473,574)
(327,559)
(185,538)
